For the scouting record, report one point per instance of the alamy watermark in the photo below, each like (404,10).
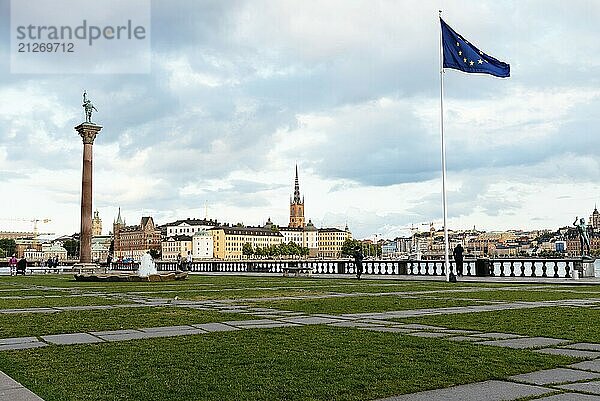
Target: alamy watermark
(80,36)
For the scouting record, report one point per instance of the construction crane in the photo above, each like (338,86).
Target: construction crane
(431,233)
(35,222)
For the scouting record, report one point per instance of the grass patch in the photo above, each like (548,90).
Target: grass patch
(576,324)
(360,304)
(55,302)
(308,363)
(531,295)
(37,324)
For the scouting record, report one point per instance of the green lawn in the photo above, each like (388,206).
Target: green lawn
(53,302)
(578,324)
(546,294)
(308,363)
(361,304)
(37,324)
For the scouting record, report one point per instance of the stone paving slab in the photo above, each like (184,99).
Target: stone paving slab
(11,347)
(589,387)
(83,307)
(422,327)
(389,329)
(594,366)
(17,340)
(354,324)
(29,310)
(7,382)
(584,346)
(250,322)
(166,328)
(457,331)
(526,342)
(310,320)
(569,352)
(491,390)
(466,338)
(429,334)
(18,394)
(571,397)
(213,327)
(336,317)
(126,336)
(170,333)
(268,325)
(72,338)
(499,336)
(557,375)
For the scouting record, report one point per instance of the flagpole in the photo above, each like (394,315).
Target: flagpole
(444,199)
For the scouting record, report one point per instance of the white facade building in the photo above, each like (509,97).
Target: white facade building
(189,226)
(202,245)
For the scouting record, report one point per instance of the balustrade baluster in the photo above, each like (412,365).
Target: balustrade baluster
(533,269)
(544,268)
(555,269)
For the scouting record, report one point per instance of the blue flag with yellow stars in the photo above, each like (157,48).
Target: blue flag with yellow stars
(461,55)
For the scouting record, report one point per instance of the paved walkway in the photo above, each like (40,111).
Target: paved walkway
(580,381)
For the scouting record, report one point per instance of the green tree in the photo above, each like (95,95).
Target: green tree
(304,251)
(8,246)
(349,246)
(72,248)
(247,249)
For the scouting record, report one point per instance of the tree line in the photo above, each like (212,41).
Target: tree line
(275,250)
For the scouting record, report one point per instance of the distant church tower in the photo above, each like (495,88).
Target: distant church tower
(118,224)
(595,220)
(296,206)
(96,225)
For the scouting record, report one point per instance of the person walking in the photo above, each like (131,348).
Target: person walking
(358,260)
(458,259)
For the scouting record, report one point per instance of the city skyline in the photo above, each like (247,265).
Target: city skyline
(241,92)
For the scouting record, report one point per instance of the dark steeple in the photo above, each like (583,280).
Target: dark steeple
(297,199)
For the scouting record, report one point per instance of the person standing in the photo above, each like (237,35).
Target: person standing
(458,259)
(12,263)
(21,266)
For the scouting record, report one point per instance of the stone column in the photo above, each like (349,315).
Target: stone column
(88,132)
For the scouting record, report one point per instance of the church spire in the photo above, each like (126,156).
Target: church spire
(296,205)
(119,220)
(297,199)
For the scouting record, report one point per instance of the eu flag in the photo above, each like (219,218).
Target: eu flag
(461,55)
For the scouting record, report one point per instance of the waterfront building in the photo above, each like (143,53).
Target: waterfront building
(228,241)
(189,226)
(202,245)
(134,241)
(176,247)
(331,241)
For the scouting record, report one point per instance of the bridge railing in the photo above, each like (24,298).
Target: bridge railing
(503,267)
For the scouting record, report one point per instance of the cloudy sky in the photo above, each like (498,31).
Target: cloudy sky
(241,91)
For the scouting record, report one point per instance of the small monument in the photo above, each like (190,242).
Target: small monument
(88,131)
(587,262)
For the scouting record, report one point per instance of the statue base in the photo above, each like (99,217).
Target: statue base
(87,268)
(588,268)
